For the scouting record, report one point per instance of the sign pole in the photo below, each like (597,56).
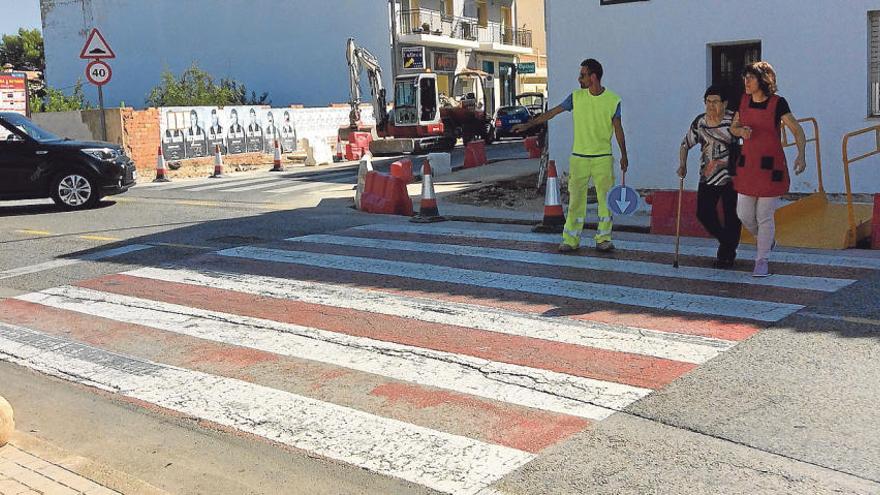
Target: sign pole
(103,118)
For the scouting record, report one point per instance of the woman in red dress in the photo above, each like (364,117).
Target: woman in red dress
(761,174)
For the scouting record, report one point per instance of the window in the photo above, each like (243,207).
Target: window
(874,64)
(612,2)
(448,7)
(482,13)
(728,62)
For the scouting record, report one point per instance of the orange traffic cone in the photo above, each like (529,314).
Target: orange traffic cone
(276,162)
(428,211)
(218,164)
(161,169)
(554,218)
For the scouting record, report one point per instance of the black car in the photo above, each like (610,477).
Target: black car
(35,163)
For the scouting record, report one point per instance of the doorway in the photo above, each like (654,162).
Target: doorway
(728,62)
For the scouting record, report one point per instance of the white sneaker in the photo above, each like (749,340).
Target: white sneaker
(762,268)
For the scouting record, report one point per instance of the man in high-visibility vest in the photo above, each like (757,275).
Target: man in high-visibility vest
(596,113)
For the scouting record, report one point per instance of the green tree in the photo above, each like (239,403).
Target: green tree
(23,50)
(54,100)
(196,87)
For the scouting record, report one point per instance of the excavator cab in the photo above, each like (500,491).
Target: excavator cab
(416,101)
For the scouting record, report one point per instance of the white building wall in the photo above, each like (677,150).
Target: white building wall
(655,55)
(293,49)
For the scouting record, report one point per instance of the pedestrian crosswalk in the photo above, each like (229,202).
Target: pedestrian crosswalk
(445,355)
(272,184)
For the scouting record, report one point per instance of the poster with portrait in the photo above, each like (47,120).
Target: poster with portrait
(254,132)
(216,135)
(236,141)
(195,137)
(271,131)
(172,129)
(288,133)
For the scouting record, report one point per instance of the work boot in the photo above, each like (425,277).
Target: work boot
(605,247)
(762,268)
(566,248)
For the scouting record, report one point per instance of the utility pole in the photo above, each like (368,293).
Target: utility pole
(394,49)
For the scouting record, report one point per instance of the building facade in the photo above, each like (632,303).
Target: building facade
(448,36)
(530,17)
(292,49)
(660,56)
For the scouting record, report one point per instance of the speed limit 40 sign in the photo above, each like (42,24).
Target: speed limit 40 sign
(98,72)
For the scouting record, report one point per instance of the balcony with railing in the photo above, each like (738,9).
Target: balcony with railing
(434,28)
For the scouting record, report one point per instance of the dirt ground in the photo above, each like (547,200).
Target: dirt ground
(514,194)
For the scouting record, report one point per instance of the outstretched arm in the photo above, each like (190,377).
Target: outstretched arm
(540,119)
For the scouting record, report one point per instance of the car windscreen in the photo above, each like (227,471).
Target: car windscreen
(24,125)
(505,111)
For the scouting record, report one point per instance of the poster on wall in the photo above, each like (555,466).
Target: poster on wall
(216,135)
(254,132)
(288,134)
(413,57)
(195,137)
(173,147)
(235,137)
(271,132)
(13,93)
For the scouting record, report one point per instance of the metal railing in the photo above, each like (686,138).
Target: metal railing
(434,22)
(426,21)
(496,32)
(815,139)
(851,213)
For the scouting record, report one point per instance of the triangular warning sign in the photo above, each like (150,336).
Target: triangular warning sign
(96,47)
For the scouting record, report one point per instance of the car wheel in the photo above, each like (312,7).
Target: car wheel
(74,191)
(490,134)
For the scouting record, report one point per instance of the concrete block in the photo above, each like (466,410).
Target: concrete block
(441,164)
(7,421)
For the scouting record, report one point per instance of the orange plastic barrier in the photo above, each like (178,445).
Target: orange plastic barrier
(475,154)
(385,194)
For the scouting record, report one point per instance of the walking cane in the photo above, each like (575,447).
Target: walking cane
(678,221)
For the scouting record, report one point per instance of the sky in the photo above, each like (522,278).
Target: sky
(19,13)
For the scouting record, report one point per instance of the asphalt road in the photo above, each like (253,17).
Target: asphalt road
(297,182)
(789,407)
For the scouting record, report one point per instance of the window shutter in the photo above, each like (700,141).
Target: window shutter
(874,61)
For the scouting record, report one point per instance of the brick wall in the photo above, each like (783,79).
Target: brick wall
(141,137)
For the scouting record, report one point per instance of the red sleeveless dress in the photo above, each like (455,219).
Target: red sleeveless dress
(762,170)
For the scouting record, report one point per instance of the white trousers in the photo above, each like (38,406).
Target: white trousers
(756,215)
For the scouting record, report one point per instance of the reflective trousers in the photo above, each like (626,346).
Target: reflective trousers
(581,170)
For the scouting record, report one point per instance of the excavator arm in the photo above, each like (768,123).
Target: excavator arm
(359,59)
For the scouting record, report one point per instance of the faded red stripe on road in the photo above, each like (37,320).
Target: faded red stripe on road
(588,362)
(497,422)
(533,433)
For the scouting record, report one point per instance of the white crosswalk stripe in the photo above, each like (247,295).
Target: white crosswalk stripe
(227,184)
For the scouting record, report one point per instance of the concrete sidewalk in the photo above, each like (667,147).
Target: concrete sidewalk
(30,466)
